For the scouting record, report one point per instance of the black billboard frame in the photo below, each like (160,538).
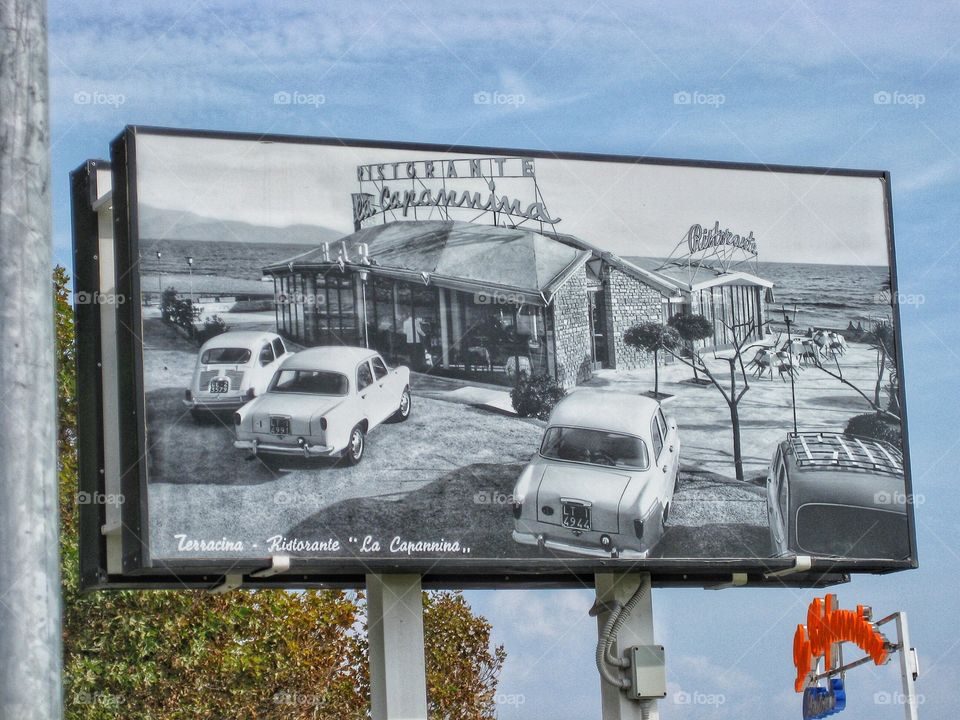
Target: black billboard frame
(142,570)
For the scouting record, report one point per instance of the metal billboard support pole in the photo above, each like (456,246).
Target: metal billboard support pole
(909,669)
(398,679)
(30,614)
(614,588)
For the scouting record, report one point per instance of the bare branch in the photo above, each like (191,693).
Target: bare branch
(702,367)
(839,376)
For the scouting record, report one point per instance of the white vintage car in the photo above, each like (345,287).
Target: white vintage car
(322,402)
(232,368)
(603,480)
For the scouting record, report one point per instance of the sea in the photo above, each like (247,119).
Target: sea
(238,260)
(823,296)
(828,296)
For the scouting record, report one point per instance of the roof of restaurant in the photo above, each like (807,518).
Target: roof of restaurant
(457,254)
(665,285)
(699,277)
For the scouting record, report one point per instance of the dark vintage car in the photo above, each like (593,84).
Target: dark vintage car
(838,496)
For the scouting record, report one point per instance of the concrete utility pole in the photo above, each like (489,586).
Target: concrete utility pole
(398,678)
(638,630)
(30,645)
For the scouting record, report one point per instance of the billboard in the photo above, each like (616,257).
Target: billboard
(335,357)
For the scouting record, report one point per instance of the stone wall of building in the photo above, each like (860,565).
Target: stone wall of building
(571,331)
(629,302)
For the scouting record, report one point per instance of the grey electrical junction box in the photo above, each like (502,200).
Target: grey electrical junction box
(648,673)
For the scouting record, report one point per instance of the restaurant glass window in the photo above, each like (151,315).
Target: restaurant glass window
(403,322)
(284,302)
(310,308)
(427,352)
(492,341)
(598,325)
(299,299)
(382,331)
(323,310)
(339,323)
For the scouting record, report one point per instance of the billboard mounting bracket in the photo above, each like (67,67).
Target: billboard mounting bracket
(234,581)
(801,564)
(231,581)
(278,564)
(736,580)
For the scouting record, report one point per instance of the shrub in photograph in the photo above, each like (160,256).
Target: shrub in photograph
(212,327)
(536,396)
(875,426)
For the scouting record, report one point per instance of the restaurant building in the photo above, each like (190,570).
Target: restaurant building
(483,300)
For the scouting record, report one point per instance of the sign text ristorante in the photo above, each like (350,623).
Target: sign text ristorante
(458,168)
(458,183)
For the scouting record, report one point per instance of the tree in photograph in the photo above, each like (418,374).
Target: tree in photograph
(691,328)
(740,333)
(883,423)
(882,342)
(245,654)
(653,337)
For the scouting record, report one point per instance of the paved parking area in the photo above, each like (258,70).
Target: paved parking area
(453,466)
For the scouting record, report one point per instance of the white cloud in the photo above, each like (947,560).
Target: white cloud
(923,178)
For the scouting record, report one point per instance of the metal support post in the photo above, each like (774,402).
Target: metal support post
(30,612)
(398,679)
(614,588)
(909,668)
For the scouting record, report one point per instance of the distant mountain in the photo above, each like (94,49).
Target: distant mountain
(157,223)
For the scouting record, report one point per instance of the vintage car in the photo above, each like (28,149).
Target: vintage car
(602,482)
(232,368)
(833,495)
(322,402)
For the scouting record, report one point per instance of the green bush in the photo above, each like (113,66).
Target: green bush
(876,427)
(536,396)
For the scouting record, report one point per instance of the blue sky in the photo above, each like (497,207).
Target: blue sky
(790,82)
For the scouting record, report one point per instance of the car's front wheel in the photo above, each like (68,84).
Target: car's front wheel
(355,446)
(406,403)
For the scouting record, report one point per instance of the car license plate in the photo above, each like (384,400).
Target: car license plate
(280,425)
(219,385)
(576,516)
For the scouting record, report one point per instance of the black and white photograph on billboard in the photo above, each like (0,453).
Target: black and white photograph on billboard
(354,353)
